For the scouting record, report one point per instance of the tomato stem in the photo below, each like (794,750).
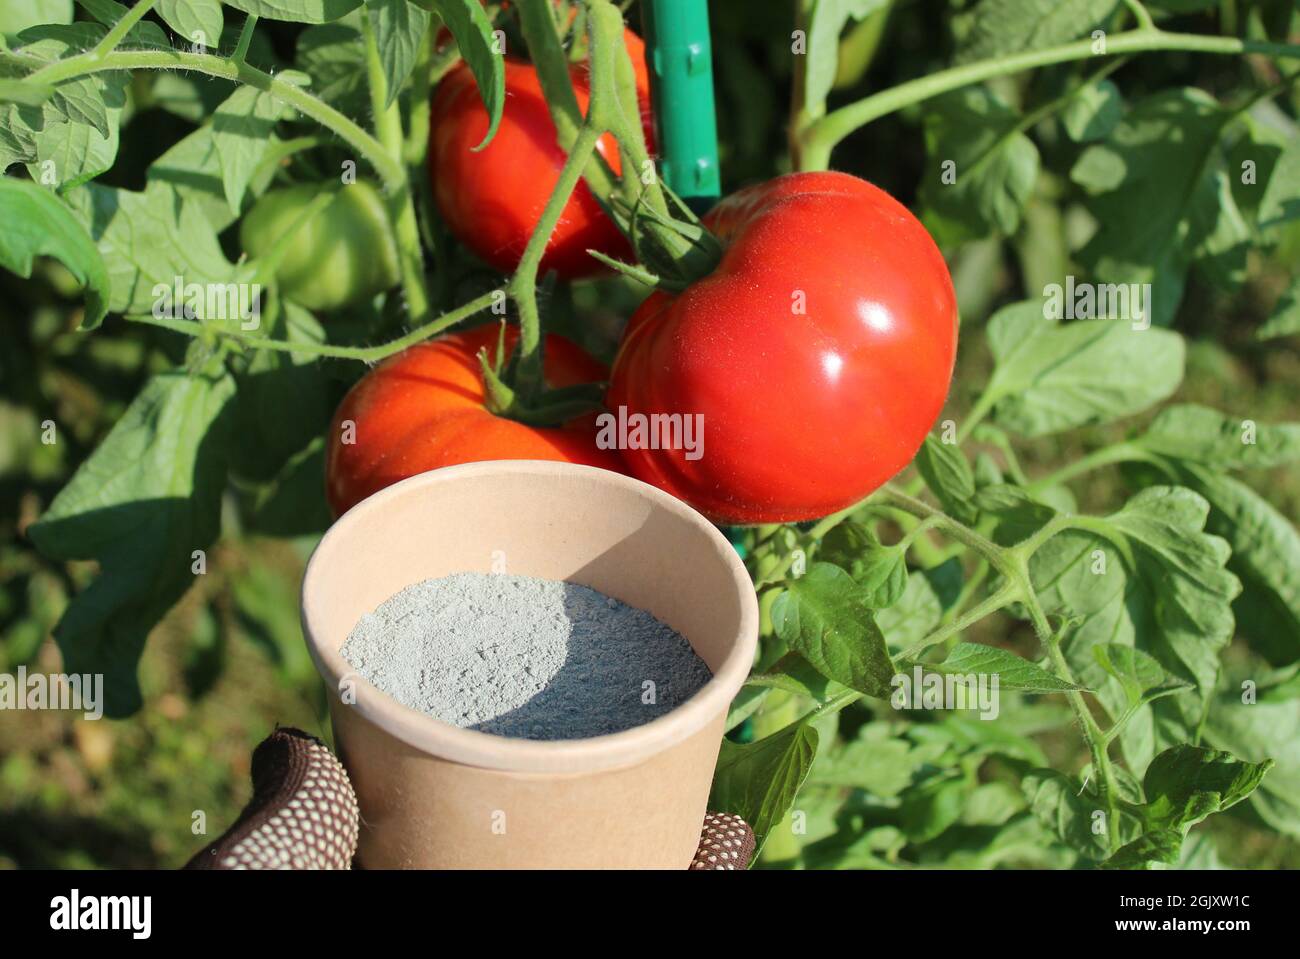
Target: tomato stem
(388,169)
(245,38)
(365,354)
(822,135)
(122,28)
(401,209)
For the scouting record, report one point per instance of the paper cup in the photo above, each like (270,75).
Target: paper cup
(433,795)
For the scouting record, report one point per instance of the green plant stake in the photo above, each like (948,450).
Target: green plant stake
(679,53)
(680,58)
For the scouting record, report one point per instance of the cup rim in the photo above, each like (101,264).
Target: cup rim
(487,750)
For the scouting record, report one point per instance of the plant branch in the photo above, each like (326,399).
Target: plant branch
(1105,456)
(245,37)
(401,208)
(365,354)
(1004,597)
(388,169)
(122,28)
(821,137)
(523,285)
(548,57)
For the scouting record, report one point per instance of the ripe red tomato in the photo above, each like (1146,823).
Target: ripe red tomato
(492,200)
(424,408)
(819,352)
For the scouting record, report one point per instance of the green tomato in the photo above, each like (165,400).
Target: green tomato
(338,257)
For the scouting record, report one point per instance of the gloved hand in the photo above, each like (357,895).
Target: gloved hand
(303,815)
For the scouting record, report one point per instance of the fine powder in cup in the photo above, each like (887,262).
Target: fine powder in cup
(524,657)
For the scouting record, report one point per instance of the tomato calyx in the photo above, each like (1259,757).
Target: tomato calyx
(551,407)
(672,250)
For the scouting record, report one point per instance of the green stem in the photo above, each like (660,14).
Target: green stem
(1107,455)
(1107,788)
(999,440)
(983,406)
(401,209)
(245,37)
(896,498)
(277,152)
(366,354)
(523,285)
(388,169)
(1004,597)
(552,65)
(417,137)
(801,116)
(1144,20)
(121,29)
(821,137)
(968,589)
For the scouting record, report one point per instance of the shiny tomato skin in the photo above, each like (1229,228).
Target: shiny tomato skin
(423,409)
(819,351)
(491,200)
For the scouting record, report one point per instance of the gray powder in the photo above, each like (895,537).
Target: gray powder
(524,657)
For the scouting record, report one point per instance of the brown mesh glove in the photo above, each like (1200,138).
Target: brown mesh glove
(303,815)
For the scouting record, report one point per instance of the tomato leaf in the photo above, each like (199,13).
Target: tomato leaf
(1140,676)
(1285,318)
(1265,557)
(1093,111)
(1258,730)
(759,781)
(1146,576)
(400,28)
(933,806)
(1052,377)
(333,54)
(999,27)
(473,32)
(147,240)
(949,476)
(794,674)
(1068,810)
(1012,671)
(284,398)
(880,570)
(242,130)
(1194,445)
(37,224)
(1157,188)
(1160,846)
(1281,201)
(21,14)
(878,761)
(982,167)
(197,21)
(827,20)
(296,11)
(913,616)
(1211,438)
(147,497)
(823,615)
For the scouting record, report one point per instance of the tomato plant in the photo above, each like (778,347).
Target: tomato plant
(1037,605)
(855,331)
(427,407)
